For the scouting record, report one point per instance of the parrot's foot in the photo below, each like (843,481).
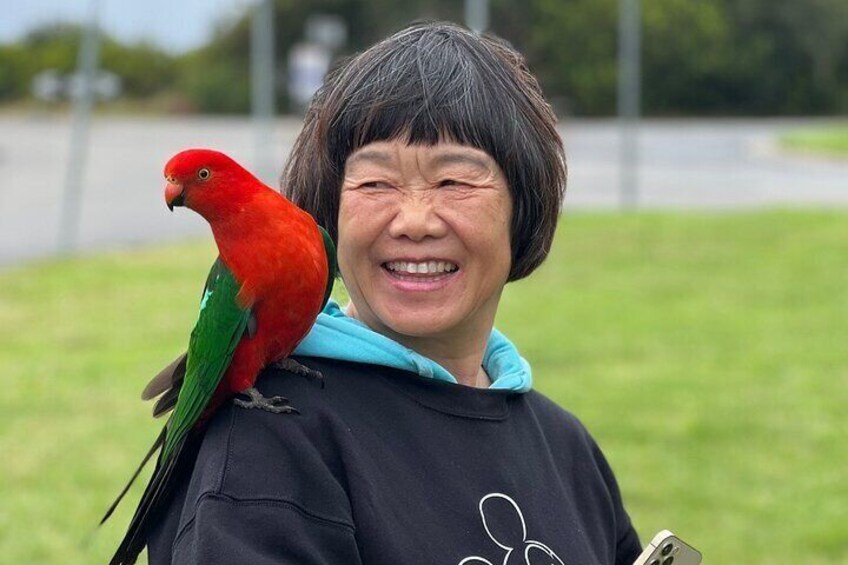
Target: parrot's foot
(296,368)
(274,404)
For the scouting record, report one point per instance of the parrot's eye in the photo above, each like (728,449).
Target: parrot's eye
(204,173)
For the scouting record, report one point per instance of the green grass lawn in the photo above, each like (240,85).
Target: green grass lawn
(707,353)
(829,141)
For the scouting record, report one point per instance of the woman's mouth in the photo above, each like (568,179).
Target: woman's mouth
(422,268)
(421,275)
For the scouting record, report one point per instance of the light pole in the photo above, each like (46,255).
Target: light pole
(80,121)
(477,15)
(629,86)
(262,88)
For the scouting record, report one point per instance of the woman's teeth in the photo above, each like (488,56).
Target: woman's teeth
(429,267)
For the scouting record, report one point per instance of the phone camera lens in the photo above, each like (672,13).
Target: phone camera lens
(667,548)
(668,560)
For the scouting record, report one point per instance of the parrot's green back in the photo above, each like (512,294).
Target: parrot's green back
(219,328)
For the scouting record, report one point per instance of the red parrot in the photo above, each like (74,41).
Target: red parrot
(273,275)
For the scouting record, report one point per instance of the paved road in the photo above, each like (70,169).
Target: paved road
(683,164)
(703,164)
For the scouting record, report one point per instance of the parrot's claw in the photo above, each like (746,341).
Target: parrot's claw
(273,404)
(296,368)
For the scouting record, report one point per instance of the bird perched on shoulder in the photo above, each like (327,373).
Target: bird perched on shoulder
(273,275)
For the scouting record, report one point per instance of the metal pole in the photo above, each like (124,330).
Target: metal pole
(629,87)
(80,120)
(477,15)
(262,84)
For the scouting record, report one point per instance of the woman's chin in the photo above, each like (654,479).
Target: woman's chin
(419,322)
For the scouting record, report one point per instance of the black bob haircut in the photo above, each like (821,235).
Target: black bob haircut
(427,83)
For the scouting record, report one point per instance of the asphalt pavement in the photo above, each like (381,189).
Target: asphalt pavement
(683,164)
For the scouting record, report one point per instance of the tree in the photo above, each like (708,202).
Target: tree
(144,69)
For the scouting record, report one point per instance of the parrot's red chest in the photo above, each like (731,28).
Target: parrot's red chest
(278,256)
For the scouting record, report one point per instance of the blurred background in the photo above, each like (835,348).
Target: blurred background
(692,312)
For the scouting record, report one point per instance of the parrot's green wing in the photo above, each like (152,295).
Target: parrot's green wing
(220,326)
(331,264)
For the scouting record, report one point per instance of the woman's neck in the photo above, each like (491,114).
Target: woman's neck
(461,355)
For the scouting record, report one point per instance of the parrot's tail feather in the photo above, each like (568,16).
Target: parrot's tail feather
(167,401)
(155,494)
(166,379)
(156,445)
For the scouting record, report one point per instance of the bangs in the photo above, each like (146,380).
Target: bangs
(430,90)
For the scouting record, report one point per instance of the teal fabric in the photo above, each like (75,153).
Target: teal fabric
(336,335)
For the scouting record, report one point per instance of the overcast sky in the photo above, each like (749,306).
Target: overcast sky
(176,25)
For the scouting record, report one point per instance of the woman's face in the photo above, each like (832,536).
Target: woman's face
(424,238)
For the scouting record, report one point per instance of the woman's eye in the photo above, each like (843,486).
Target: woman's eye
(448,182)
(374,184)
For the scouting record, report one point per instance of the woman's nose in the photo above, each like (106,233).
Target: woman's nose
(417,218)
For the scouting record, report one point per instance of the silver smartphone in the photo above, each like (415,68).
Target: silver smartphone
(668,549)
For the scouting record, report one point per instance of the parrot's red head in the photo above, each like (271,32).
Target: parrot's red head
(208,182)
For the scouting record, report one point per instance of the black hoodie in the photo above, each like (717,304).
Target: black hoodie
(382,466)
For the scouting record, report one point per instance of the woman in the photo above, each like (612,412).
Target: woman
(434,162)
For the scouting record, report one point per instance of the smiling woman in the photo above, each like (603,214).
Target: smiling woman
(434,162)
(405,211)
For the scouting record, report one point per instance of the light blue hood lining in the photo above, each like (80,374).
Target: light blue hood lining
(338,336)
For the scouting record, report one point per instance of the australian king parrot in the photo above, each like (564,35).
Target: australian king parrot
(273,275)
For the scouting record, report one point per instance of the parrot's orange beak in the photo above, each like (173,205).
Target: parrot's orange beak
(174,195)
